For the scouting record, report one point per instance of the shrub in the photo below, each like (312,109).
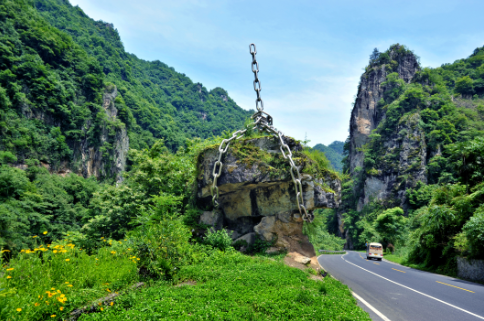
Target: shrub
(219,239)
(163,248)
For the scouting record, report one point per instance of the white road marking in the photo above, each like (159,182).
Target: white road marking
(378,313)
(406,287)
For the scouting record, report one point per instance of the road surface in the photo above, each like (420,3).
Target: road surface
(389,291)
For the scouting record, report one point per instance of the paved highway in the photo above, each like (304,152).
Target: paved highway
(393,292)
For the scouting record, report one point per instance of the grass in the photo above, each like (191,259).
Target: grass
(50,281)
(332,252)
(231,286)
(395,258)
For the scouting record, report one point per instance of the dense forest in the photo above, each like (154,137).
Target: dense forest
(334,153)
(56,64)
(437,116)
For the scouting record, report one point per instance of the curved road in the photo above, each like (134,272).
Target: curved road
(397,292)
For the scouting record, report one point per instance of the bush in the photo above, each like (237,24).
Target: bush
(259,246)
(219,239)
(474,232)
(163,248)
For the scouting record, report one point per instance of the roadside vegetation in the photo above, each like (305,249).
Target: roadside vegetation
(140,231)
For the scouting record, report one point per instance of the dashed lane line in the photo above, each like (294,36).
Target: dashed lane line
(398,270)
(455,286)
(409,288)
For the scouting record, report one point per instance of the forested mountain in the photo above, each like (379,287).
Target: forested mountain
(73,101)
(414,158)
(71,96)
(334,153)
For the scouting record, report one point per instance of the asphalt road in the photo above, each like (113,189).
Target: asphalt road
(400,293)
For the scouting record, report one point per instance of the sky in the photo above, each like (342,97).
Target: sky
(311,54)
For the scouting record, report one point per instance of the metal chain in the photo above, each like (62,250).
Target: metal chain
(262,122)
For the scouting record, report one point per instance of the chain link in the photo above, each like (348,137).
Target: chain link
(262,122)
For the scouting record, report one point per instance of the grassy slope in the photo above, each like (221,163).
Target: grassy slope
(231,286)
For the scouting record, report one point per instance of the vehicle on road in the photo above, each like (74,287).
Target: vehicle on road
(374,250)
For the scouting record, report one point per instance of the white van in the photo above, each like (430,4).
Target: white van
(374,250)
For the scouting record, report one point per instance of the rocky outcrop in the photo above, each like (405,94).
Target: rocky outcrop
(102,155)
(392,180)
(107,157)
(366,115)
(404,149)
(257,195)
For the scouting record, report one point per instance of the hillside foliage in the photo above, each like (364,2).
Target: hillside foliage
(334,153)
(55,64)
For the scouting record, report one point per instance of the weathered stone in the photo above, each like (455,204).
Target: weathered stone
(256,199)
(212,218)
(249,238)
(303,260)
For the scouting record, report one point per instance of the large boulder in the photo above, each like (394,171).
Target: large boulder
(257,194)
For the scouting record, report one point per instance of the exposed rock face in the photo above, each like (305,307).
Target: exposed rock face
(93,160)
(409,143)
(365,115)
(410,146)
(106,158)
(258,199)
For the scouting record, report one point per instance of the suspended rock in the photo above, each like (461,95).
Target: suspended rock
(256,192)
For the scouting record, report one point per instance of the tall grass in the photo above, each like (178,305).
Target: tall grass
(51,280)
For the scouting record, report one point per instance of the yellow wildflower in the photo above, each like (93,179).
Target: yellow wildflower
(55,251)
(9,277)
(102,309)
(37,304)
(111,304)
(19,309)
(113,252)
(108,290)
(53,316)
(47,302)
(45,232)
(67,260)
(53,289)
(34,236)
(66,282)
(61,308)
(11,269)
(70,285)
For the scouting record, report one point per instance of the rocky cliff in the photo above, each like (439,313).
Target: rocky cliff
(103,147)
(401,149)
(257,195)
(107,158)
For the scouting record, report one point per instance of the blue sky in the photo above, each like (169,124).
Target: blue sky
(311,54)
